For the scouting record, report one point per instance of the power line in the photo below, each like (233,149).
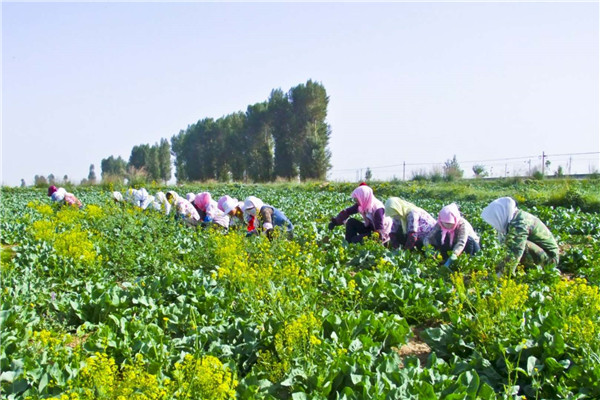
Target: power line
(466,162)
(572,154)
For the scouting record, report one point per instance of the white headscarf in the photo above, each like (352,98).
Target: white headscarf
(499,213)
(161,203)
(229,204)
(252,205)
(140,197)
(174,197)
(117,196)
(59,195)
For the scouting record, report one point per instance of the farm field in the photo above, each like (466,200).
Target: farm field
(111,302)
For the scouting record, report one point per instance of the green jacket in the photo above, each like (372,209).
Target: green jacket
(525,227)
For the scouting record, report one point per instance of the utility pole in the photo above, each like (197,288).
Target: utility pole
(403,170)
(543,163)
(570,163)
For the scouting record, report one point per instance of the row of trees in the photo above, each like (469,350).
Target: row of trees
(42,181)
(285,137)
(148,163)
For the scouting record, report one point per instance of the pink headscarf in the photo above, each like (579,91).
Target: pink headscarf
(222,201)
(366,201)
(51,190)
(202,200)
(71,200)
(449,215)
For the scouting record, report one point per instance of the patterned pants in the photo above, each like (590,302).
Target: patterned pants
(535,255)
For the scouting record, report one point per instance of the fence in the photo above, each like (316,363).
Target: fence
(546,164)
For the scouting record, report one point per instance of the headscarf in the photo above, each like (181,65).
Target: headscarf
(499,213)
(161,201)
(58,195)
(399,209)
(117,196)
(227,204)
(367,202)
(51,190)
(140,197)
(160,196)
(190,197)
(449,215)
(174,197)
(252,205)
(222,200)
(71,200)
(202,200)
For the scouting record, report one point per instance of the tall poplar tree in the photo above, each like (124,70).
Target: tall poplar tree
(164,159)
(280,112)
(311,132)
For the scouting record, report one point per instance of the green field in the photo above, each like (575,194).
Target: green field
(110,302)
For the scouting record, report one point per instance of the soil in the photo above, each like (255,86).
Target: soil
(415,347)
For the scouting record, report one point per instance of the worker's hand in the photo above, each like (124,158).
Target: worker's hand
(332,224)
(450,260)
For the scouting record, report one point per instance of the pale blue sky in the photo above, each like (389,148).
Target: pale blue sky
(408,82)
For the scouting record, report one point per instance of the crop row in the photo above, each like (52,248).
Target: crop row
(111,301)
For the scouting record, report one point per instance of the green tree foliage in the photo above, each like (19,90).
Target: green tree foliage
(479,171)
(51,179)
(280,111)
(153,164)
(150,162)
(40,180)
(232,153)
(452,170)
(164,159)
(113,167)
(191,147)
(285,137)
(23,184)
(258,143)
(311,133)
(179,144)
(92,174)
(139,156)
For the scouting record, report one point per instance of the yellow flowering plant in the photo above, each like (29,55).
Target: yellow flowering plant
(490,311)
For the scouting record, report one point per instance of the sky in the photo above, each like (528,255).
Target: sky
(410,84)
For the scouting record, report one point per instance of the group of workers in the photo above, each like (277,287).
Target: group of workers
(201,209)
(398,223)
(60,195)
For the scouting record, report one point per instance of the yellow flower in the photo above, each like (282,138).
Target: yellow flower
(205,378)
(314,340)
